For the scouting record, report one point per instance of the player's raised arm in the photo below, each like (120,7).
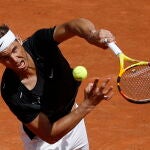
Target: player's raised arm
(83,28)
(52,132)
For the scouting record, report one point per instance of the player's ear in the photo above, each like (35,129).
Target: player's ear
(19,39)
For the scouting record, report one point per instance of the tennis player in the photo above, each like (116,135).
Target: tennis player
(38,86)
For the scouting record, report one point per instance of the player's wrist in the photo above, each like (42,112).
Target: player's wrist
(85,107)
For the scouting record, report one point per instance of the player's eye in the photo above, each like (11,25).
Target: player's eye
(14,49)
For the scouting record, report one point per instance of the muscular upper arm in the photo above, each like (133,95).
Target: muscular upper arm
(52,132)
(81,27)
(41,127)
(61,33)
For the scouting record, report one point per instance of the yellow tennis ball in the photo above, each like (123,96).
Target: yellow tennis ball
(79,73)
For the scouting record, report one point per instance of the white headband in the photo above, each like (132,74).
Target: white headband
(6,40)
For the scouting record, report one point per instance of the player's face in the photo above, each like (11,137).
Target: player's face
(14,57)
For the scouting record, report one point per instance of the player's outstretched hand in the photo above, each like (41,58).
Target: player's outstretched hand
(95,93)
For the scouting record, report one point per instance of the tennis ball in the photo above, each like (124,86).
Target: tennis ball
(79,73)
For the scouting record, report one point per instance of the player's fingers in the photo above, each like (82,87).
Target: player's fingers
(109,96)
(107,91)
(89,87)
(107,40)
(103,85)
(93,88)
(94,85)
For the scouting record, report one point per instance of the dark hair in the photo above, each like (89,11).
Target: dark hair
(3,29)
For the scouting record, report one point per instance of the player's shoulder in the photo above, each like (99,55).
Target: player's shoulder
(9,80)
(43,32)
(8,73)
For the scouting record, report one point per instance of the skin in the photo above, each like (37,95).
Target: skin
(16,58)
